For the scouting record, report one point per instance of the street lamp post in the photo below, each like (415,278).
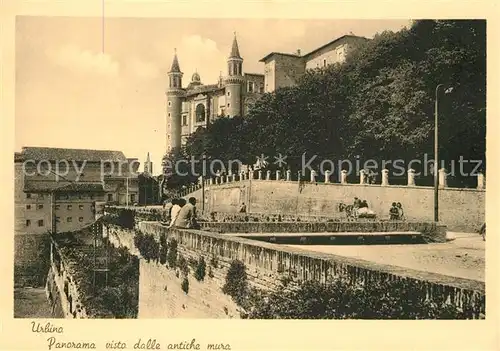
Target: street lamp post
(436,159)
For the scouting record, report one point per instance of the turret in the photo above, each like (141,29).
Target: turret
(234,81)
(175,96)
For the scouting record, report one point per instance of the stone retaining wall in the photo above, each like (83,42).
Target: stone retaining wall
(268,263)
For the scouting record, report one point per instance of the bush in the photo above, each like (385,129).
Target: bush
(147,246)
(236,281)
(172,253)
(341,300)
(185,285)
(200,271)
(183,266)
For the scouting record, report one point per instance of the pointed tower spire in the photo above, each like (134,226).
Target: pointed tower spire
(175,63)
(147,159)
(235,51)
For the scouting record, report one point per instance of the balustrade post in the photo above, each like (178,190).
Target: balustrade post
(411,177)
(362,177)
(442,178)
(313,176)
(327,176)
(343,177)
(480,180)
(385,177)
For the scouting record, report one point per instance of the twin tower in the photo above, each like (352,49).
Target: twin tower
(196,105)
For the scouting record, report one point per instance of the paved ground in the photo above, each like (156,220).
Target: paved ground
(31,303)
(462,257)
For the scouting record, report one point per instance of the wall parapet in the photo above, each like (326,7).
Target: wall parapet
(288,261)
(259,176)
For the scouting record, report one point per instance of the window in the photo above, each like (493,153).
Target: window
(69,219)
(228,93)
(70,207)
(168,136)
(261,88)
(132,197)
(40,222)
(110,197)
(58,219)
(28,207)
(324,63)
(81,207)
(80,219)
(200,113)
(91,196)
(169,103)
(28,195)
(40,207)
(58,206)
(40,196)
(169,115)
(28,222)
(168,126)
(184,120)
(250,87)
(228,104)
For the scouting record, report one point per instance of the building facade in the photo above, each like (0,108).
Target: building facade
(198,104)
(58,188)
(285,70)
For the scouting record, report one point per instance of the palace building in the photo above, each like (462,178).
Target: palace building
(198,104)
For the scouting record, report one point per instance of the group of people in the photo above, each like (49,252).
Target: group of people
(180,213)
(396,212)
(358,203)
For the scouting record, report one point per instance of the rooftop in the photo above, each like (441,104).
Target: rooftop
(43,186)
(270,55)
(54,154)
(333,42)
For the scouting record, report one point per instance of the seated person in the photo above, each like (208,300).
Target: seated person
(243,208)
(394,212)
(400,211)
(187,215)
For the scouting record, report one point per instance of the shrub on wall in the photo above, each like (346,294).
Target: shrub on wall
(163,249)
(185,285)
(172,253)
(200,270)
(341,300)
(148,247)
(183,265)
(236,281)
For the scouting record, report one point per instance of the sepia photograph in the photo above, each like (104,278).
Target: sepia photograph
(249,168)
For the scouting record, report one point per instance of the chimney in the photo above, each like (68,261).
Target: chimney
(298,52)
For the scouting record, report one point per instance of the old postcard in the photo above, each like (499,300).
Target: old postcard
(226,175)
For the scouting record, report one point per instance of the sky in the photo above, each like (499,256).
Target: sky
(100,84)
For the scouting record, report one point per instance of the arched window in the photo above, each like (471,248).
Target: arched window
(200,113)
